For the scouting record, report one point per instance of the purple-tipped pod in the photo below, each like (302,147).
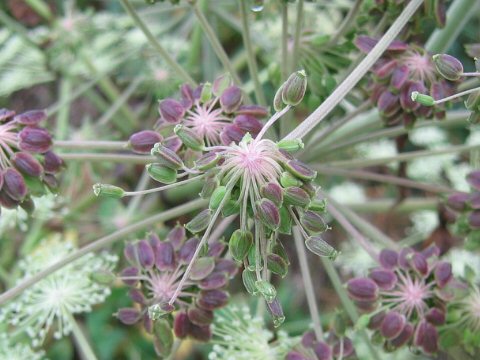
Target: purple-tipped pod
(362,289)
(432,250)
(273,192)
(320,247)
(268,213)
(137,296)
(202,268)
(142,142)
(474,179)
(220,84)
(207,161)
(240,244)
(128,316)
(131,254)
(388,103)
(212,299)
(173,143)
(266,289)
(313,222)
(231,99)
(474,219)
(7,202)
(322,350)
(231,133)
(346,348)
(14,184)
(36,140)
(392,325)
(187,96)
(399,77)
(186,252)
(404,258)
(278,103)
(154,242)
(435,316)
(288,180)
(31,118)
(430,339)
(146,257)
(300,170)
(385,279)
(296,196)
(165,256)
(404,336)
(419,264)
(293,90)
(276,312)
(181,325)
(458,201)
(294,355)
(162,337)
(27,164)
(171,110)
(277,265)
(52,163)
(254,110)
(200,333)
(365,43)
(443,273)
(448,66)
(248,123)
(227,266)
(376,320)
(6,114)
(215,280)
(216,249)
(385,69)
(199,222)
(189,138)
(200,317)
(167,157)
(177,236)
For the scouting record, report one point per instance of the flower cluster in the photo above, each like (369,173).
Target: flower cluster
(73,289)
(404,69)
(27,165)
(332,347)
(406,297)
(17,351)
(154,274)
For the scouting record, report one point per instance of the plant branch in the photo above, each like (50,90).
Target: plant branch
(91,144)
(297,35)
(347,22)
(93,157)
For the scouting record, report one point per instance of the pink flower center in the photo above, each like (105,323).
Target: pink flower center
(161,287)
(206,122)
(420,66)
(8,139)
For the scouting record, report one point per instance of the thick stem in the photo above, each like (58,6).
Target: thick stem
(356,75)
(102,243)
(308,284)
(84,348)
(407,205)
(90,144)
(156,45)
(93,157)
(347,22)
(296,38)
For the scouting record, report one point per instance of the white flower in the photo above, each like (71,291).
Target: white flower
(428,136)
(239,336)
(457,174)
(423,222)
(17,351)
(348,192)
(353,260)
(54,299)
(460,259)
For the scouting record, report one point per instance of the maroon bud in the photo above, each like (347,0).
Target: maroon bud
(399,77)
(419,263)
(142,142)
(273,192)
(207,161)
(200,333)
(322,350)
(432,250)
(7,202)
(474,200)
(212,299)
(31,118)
(248,123)
(36,140)
(165,256)
(392,325)
(404,336)
(437,91)
(269,213)
(200,317)
(474,179)
(129,274)
(14,184)
(443,273)
(186,252)
(448,66)
(52,163)
(51,181)
(215,249)
(176,236)
(253,110)
(388,103)
(365,43)
(385,69)
(362,289)
(376,320)
(227,266)
(276,312)
(181,325)
(215,280)
(430,339)
(27,164)
(131,254)
(231,133)
(346,348)
(309,339)
(137,296)
(6,114)
(404,257)
(202,268)
(296,196)
(154,242)
(435,316)
(366,306)
(231,99)
(300,170)
(173,143)
(171,110)
(385,279)
(293,355)
(146,257)
(458,201)
(128,316)
(187,96)
(167,157)
(406,95)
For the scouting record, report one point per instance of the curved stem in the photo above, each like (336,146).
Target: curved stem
(356,75)
(102,243)
(86,351)
(162,188)
(271,121)
(90,144)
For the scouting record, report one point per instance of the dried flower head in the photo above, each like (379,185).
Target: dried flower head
(332,347)
(27,165)
(50,303)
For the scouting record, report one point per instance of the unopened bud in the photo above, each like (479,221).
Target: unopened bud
(207,161)
(163,337)
(167,156)
(294,88)
(103,277)
(217,197)
(290,145)
(448,66)
(143,141)
(296,196)
(199,222)
(320,247)
(275,309)
(288,180)
(273,192)
(231,99)
(313,222)
(221,84)
(249,278)
(171,110)
(108,191)
(206,93)
(268,213)
(277,265)
(278,103)
(422,99)
(240,244)
(300,170)
(266,289)
(161,173)
(189,138)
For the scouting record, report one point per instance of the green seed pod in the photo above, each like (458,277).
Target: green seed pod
(108,191)
(199,222)
(231,207)
(103,277)
(189,138)
(278,103)
(296,196)
(161,173)
(473,101)
(240,244)
(266,289)
(217,196)
(294,88)
(249,278)
(206,93)
(290,145)
(320,247)
(288,180)
(422,99)
(448,66)
(221,84)
(209,186)
(163,337)
(285,221)
(318,205)
(166,156)
(277,265)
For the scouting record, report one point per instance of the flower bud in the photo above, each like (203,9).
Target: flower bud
(146,257)
(128,316)
(108,190)
(385,279)
(392,325)
(419,264)
(231,133)
(404,336)
(200,317)
(448,66)
(249,278)
(206,94)
(186,252)
(215,280)
(189,138)
(277,265)
(296,196)
(273,192)
(163,337)
(176,236)
(167,156)
(320,247)
(268,213)
(35,140)
(248,124)
(422,99)
(218,196)
(129,275)
(290,146)
(14,184)
(254,110)
(473,101)
(202,268)
(212,299)
(161,173)
(181,325)
(362,289)
(266,289)
(52,163)
(31,118)
(400,77)
(288,180)
(207,161)
(285,221)
(388,103)
(199,333)
(231,99)
(199,222)
(300,170)
(318,205)
(435,316)
(165,256)
(103,277)
(27,164)
(221,84)
(473,179)
(240,244)
(137,296)
(443,273)
(276,312)
(294,88)
(171,110)
(143,141)
(278,103)
(313,222)
(458,201)
(388,258)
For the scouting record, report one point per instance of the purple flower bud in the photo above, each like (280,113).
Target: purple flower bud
(231,133)
(181,325)
(215,280)
(388,103)
(52,163)
(231,99)
(200,317)
(6,114)
(300,170)
(386,69)
(227,266)
(404,257)
(176,236)
(146,257)
(419,263)
(432,250)
(296,196)
(392,325)
(186,252)
(189,138)
(200,333)
(474,179)
(167,157)
(207,161)
(128,316)
(248,123)
(254,110)
(429,339)
(268,213)
(273,192)
(202,268)
(276,312)
(404,336)
(365,43)
(362,289)
(154,242)
(51,181)
(31,118)
(171,110)
(443,273)
(173,143)
(187,96)
(27,164)
(14,184)
(6,201)
(406,101)
(385,279)
(212,299)
(216,249)
(294,355)
(165,256)
(458,201)
(399,77)
(142,142)
(376,320)
(347,347)
(137,296)
(435,316)
(448,66)
(131,254)
(313,222)
(322,350)
(36,140)
(309,339)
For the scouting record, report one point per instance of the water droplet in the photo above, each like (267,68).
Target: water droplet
(257,6)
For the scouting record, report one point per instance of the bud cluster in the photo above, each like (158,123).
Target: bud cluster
(332,347)
(155,268)
(406,298)
(27,165)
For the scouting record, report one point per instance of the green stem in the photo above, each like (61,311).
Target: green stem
(137,199)
(284,64)
(102,243)
(308,284)
(459,12)
(63,116)
(252,62)
(93,157)
(356,75)
(455,96)
(347,22)
(91,144)
(41,8)
(297,35)
(385,205)
(84,348)
(156,45)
